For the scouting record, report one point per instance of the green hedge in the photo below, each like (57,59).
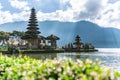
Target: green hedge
(25,68)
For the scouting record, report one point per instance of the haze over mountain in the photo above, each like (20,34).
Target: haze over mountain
(89,32)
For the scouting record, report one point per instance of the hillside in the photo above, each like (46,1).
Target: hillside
(89,32)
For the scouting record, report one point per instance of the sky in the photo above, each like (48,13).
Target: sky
(105,13)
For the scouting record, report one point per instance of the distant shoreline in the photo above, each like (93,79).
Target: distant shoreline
(50,51)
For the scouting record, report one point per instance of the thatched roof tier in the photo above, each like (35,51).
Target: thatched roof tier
(35,37)
(41,37)
(78,43)
(29,37)
(36,28)
(52,37)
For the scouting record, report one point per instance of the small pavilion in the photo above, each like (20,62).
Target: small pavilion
(52,39)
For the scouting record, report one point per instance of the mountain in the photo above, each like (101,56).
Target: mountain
(89,32)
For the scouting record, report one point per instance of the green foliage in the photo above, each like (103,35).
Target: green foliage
(4,35)
(17,33)
(86,46)
(3,48)
(25,68)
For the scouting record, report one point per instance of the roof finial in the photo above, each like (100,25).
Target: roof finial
(33,8)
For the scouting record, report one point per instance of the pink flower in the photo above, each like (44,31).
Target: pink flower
(58,69)
(70,73)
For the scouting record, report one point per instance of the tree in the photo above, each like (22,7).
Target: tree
(32,30)
(4,37)
(89,46)
(17,34)
(86,46)
(71,46)
(78,42)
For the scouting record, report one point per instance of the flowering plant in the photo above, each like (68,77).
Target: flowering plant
(25,68)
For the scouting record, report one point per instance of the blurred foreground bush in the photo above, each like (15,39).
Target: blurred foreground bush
(25,68)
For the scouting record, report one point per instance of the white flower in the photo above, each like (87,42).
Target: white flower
(24,73)
(88,61)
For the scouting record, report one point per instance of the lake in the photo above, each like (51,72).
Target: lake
(108,56)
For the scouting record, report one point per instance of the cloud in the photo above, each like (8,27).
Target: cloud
(22,5)
(110,16)
(92,9)
(78,10)
(5,17)
(75,7)
(102,12)
(1,6)
(37,0)
(22,16)
(64,16)
(48,6)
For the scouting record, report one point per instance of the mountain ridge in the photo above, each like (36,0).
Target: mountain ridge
(89,32)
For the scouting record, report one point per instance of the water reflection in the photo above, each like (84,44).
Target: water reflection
(42,56)
(74,56)
(110,59)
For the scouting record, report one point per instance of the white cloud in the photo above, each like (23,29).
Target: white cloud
(22,5)
(64,1)
(110,16)
(79,10)
(58,15)
(76,7)
(100,12)
(1,6)
(37,0)
(23,16)
(5,17)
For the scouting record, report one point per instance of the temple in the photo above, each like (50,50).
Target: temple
(33,38)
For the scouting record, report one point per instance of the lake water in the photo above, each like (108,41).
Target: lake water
(108,57)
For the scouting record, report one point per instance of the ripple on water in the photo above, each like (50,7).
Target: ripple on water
(108,57)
